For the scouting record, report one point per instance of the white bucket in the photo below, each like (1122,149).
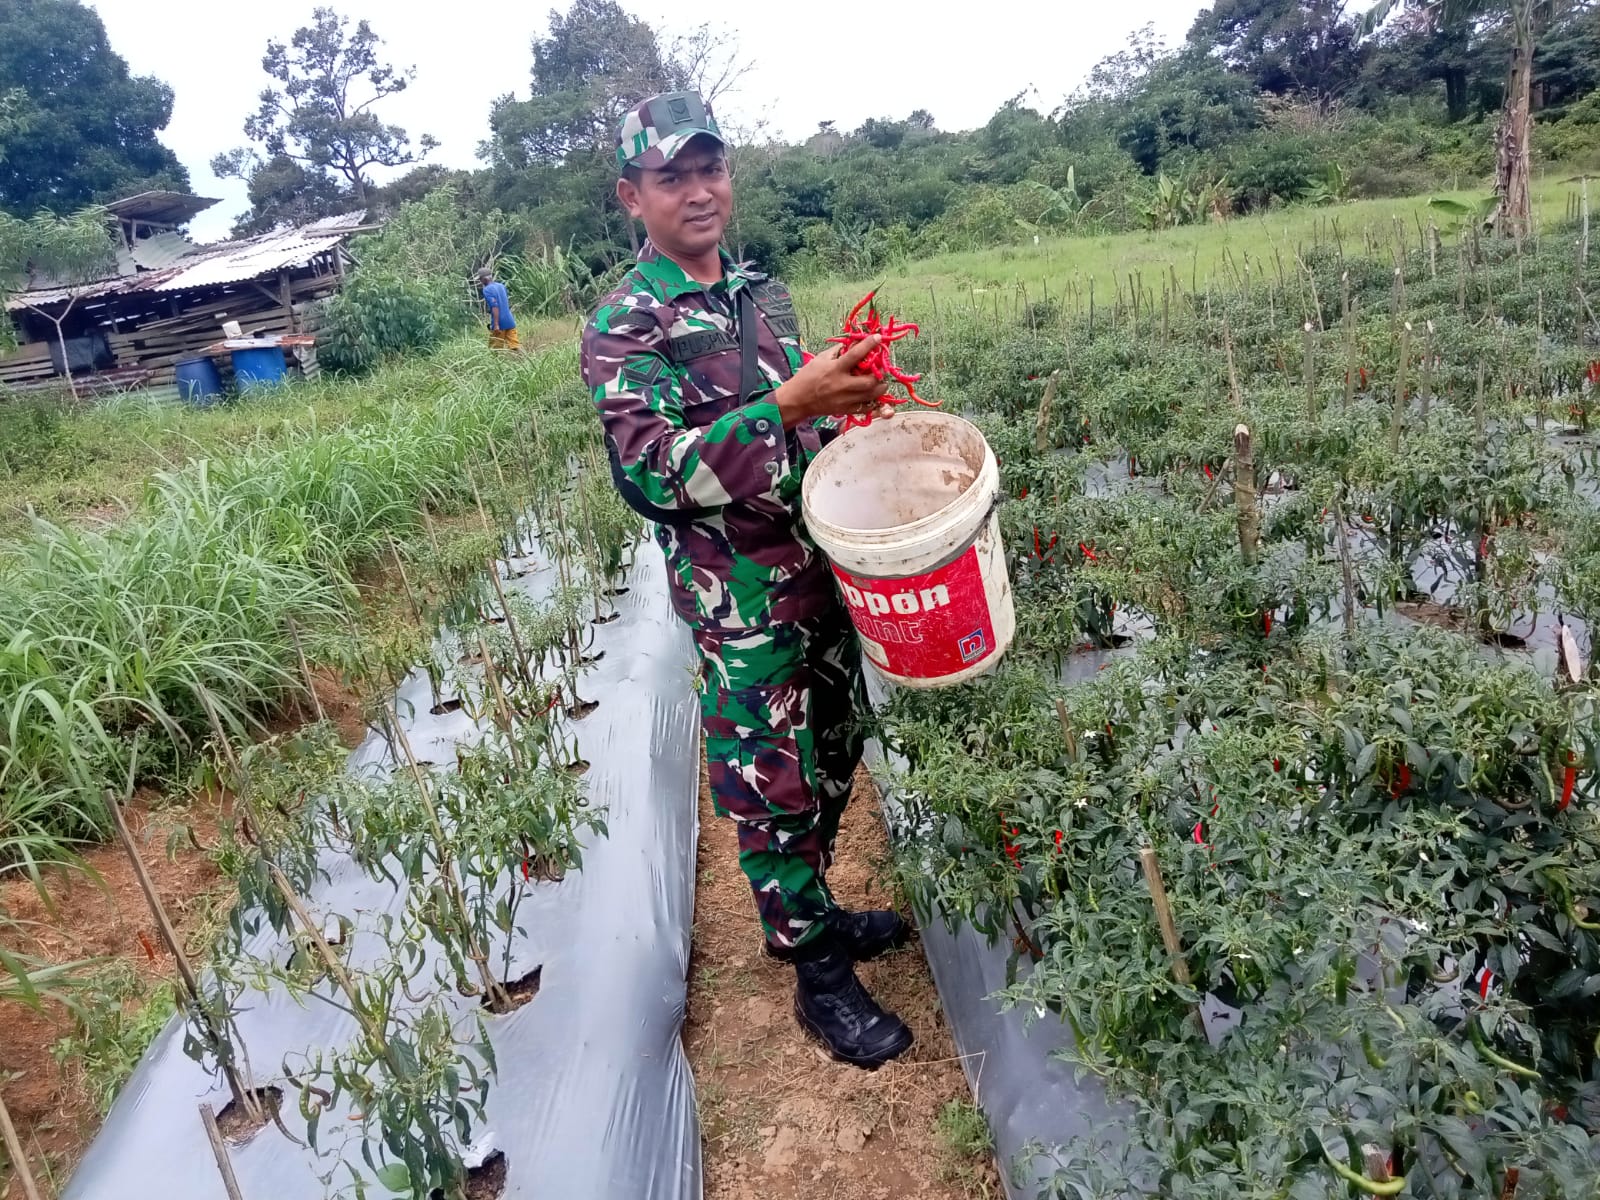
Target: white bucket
(904,509)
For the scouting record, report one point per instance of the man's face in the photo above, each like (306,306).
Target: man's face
(684,205)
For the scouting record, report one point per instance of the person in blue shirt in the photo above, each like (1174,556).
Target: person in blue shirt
(502,325)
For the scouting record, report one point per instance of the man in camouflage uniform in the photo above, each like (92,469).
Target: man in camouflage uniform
(713,446)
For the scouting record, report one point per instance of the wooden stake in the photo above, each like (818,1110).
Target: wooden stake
(1309,369)
(1244,493)
(19,1163)
(524,667)
(169,936)
(1067,734)
(1346,567)
(1397,415)
(1169,929)
(219,1150)
(305,671)
(1235,392)
(1349,345)
(405,580)
(1041,425)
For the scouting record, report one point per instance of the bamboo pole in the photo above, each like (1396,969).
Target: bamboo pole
(1067,735)
(219,1150)
(1309,368)
(1244,493)
(1349,345)
(241,1094)
(19,1161)
(305,671)
(1169,929)
(524,667)
(1397,415)
(1041,425)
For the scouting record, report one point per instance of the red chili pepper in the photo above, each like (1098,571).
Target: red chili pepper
(1569,783)
(1594,373)
(1023,494)
(1058,841)
(1266,619)
(527,871)
(1485,978)
(146,945)
(1088,552)
(879,363)
(1402,780)
(1206,467)
(1277,764)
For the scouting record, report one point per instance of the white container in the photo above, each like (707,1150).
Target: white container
(904,510)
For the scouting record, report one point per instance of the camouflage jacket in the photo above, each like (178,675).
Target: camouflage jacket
(661,356)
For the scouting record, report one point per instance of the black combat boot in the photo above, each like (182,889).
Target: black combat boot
(865,935)
(831,1005)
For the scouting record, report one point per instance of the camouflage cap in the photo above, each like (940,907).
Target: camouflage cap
(659,127)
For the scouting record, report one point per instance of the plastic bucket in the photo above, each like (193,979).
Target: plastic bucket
(904,510)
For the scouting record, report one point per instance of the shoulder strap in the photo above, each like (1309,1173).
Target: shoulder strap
(749,332)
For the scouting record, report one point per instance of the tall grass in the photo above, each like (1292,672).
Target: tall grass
(115,639)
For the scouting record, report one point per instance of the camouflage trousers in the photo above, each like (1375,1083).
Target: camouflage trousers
(779,707)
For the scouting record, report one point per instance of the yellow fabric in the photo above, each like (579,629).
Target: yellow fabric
(503,339)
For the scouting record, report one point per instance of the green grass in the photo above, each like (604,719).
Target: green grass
(999,277)
(116,1019)
(965,1143)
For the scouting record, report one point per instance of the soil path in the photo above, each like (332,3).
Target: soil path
(779,1119)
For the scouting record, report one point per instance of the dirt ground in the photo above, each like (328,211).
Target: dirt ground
(779,1119)
(102,915)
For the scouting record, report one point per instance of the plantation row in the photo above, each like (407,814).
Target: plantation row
(1306,566)
(150,652)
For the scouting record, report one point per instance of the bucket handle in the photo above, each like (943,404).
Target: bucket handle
(994,507)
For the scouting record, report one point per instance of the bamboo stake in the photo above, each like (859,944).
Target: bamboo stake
(19,1162)
(1067,734)
(1349,345)
(1397,415)
(219,1150)
(1346,569)
(524,667)
(405,580)
(1169,929)
(305,671)
(241,1095)
(1235,392)
(447,869)
(1041,425)
(1244,493)
(1309,368)
(503,711)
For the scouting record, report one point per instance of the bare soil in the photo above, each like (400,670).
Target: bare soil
(779,1119)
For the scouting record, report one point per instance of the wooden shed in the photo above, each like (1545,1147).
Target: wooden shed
(170,298)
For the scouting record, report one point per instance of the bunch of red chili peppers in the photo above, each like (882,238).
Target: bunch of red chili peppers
(880,363)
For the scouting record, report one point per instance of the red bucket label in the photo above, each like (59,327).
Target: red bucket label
(923,626)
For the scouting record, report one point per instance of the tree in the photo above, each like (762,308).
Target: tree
(1306,47)
(67,252)
(321,114)
(1525,20)
(281,191)
(78,128)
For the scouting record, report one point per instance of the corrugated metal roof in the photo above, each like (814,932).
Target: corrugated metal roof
(163,208)
(210,266)
(162,250)
(239,261)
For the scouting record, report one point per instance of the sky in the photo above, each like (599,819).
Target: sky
(843,62)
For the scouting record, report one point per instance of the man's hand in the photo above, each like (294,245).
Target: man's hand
(828,386)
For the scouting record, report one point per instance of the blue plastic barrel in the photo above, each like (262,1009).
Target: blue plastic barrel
(256,369)
(199,383)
